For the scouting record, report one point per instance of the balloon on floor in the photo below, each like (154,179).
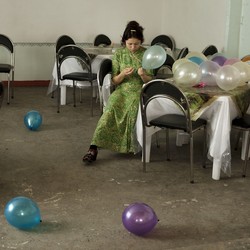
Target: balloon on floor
(139,218)
(33,120)
(22,213)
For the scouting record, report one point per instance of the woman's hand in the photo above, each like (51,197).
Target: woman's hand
(128,71)
(142,73)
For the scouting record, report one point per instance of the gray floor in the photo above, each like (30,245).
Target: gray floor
(81,206)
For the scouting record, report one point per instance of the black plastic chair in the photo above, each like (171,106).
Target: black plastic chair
(105,68)
(62,41)
(165,90)
(210,50)
(183,52)
(73,51)
(8,66)
(1,93)
(102,40)
(165,41)
(243,124)
(165,71)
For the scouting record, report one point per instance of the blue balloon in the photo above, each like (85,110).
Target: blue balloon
(22,213)
(139,218)
(154,57)
(33,120)
(196,59)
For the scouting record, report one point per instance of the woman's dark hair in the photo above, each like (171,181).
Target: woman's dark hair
(132,30)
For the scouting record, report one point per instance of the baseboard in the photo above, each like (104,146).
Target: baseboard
(41,83)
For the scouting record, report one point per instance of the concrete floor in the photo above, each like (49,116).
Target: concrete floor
(81,205)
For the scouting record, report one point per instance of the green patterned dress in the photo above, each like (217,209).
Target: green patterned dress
(115,129)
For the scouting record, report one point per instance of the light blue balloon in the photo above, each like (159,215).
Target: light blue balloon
(154,57)
(196,59)
(33,120)
(22,213)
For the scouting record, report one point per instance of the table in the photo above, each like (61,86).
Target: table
(71,65)
(218,107)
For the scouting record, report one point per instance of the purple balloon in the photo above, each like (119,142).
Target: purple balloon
(139,218)
(219,59)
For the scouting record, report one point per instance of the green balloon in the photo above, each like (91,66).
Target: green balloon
(154,57)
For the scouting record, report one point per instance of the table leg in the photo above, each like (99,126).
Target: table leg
(244,144)
(216,169)
(63,94)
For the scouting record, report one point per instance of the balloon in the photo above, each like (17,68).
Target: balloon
(196,59)
(231,61)
(243,67)
(154,57)
(219,59)
(208,72)
(197,55)
(178,62)
(139,218)
(22,213)
(33,120)
(228,77)
(187,73)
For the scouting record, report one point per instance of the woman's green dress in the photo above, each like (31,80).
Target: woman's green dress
(115,129)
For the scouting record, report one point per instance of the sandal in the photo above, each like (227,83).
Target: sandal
(90,156)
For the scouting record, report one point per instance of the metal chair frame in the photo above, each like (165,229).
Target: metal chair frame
(73,51)
(8,68)
(243,125)
(166,90)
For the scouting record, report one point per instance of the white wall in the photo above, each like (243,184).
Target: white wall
(192,23)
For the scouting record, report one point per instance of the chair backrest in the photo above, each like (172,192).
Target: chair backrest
(183,52)
(165,41)
(210,50)
(105,68)
(166,90)
(246,58)
(73,51)
(102,39)
(62,41)
(9,46)
(7,43)
(167,64)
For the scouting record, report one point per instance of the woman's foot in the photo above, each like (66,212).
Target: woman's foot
(90,156)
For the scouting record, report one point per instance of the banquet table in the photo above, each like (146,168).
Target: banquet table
(218,107)
(71,65)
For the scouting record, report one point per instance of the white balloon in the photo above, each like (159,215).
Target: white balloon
(187,73)
(228,77)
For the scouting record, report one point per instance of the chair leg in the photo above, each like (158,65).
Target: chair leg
(12,85)
(205,149)
(8,91)
(144,149)
(246,156)
(58,97)
(74,93)
(191,159)
(237,140)
(92,93)
(167,145)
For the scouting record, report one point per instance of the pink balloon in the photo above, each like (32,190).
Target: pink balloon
(231,61)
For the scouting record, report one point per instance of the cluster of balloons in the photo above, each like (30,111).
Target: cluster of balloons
(22,213)
(217,70)
(139,218)
(154,57)
(33,120)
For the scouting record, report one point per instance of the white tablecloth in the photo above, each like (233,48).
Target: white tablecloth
(69,66)
(218,115)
